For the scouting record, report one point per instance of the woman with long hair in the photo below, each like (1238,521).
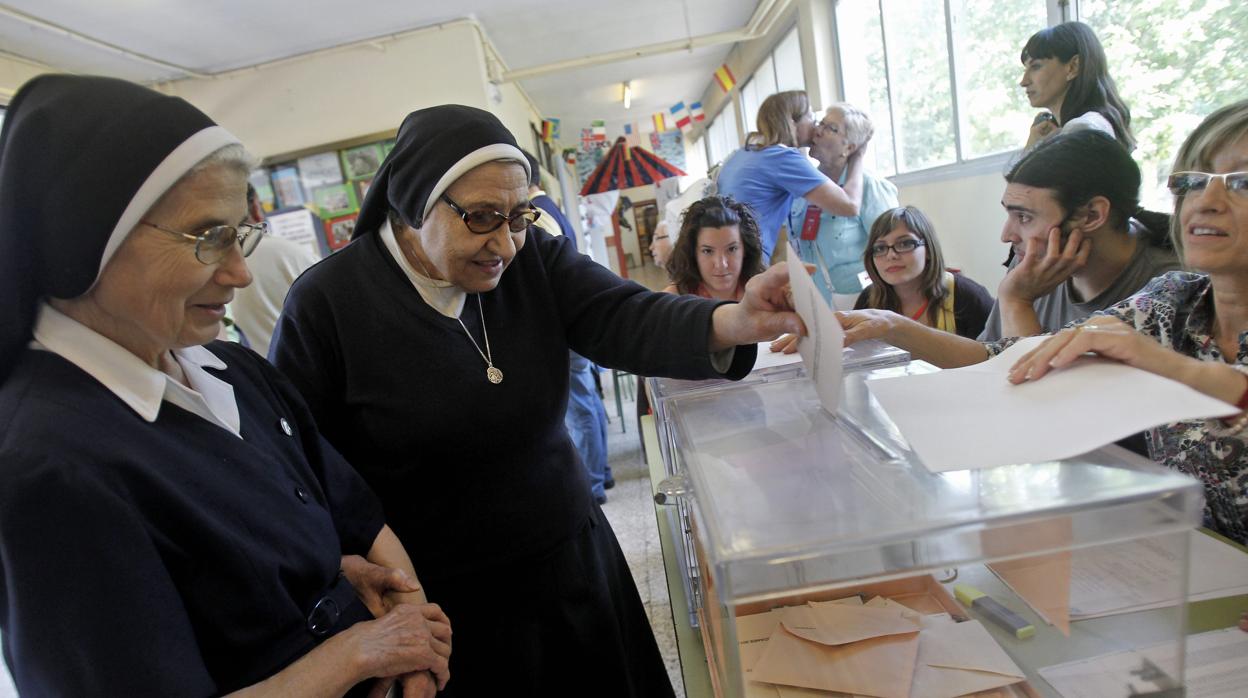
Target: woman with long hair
(717,252)
(908,276)
(1066,74)
(771,170)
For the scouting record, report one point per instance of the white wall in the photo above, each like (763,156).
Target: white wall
(968,217)
(14,72)
(339,95)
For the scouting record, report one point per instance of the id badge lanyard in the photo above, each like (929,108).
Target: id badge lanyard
(810,233)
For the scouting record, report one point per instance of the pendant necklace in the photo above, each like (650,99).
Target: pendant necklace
(494,375)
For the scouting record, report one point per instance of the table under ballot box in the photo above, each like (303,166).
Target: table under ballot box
(827,560)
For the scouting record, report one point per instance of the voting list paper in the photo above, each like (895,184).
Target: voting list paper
(1089,404)
(821,347)
(1140,575)
(1216,667)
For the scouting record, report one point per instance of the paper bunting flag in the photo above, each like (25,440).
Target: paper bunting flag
(724,77)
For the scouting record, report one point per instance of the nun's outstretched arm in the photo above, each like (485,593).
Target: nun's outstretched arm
(764,313)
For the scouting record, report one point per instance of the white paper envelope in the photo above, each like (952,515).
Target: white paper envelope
(882,667)
(840,624)
(960,658)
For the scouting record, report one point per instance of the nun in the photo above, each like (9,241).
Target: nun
(171,521)
(433,352)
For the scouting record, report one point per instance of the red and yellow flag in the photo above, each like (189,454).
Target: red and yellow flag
(724,77)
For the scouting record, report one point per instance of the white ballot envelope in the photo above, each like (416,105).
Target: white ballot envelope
(824,340)
(973,417)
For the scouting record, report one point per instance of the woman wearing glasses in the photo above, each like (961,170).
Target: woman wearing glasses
(433,351)
(771,170)
(171,521)
(1190,326)
(832,242)
(908,276)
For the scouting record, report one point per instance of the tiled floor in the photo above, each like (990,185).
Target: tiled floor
(630,509)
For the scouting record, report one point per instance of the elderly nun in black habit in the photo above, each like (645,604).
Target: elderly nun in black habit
(171,521)
(433,352)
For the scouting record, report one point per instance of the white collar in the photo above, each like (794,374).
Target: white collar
(135,383)
(443,296)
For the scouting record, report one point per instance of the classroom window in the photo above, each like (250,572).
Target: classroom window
(787,59)
(721,137)
(1174,64)
(938,77)
(779,72)
(993,112)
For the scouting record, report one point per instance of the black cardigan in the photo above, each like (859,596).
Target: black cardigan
(473,474)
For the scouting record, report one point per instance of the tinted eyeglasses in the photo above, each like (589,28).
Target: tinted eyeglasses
(1182,183)
(213,244)
(483,221)
(903,246)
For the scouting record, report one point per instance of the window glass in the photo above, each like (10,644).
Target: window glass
(988,36)
(720,137)
(765,81)
(1174,63)
(749,103)
(861,40)
(788,61)
(918,71)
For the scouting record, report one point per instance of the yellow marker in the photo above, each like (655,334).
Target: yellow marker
(990,607)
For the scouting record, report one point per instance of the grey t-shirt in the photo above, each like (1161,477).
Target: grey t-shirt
(1062,306)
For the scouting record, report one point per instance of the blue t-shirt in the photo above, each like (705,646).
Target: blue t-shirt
(767,179)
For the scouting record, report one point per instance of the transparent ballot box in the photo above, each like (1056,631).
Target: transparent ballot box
(827,556)
(863,356)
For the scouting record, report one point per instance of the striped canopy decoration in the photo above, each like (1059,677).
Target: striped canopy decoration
(625,167)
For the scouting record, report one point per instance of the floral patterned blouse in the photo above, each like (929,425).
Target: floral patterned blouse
(1176,309)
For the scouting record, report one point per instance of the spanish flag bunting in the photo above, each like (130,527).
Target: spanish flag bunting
(724,77)
(660,124)
(550,130)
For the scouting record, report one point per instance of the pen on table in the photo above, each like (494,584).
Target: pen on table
(990,607)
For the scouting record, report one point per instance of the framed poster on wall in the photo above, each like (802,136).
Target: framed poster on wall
(338,231)
(335,200)
(286,184)
(363,161)
(319,170)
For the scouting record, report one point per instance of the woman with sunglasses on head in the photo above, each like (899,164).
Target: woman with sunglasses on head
(908,276)
(771,170)
(1190,326)
(1066,74)
(171,521)
(433,351)
(834,243)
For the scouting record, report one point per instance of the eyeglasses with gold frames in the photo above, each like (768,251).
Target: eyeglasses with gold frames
(213,244)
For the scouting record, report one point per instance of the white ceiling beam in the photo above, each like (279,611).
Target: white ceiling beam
(97,43)
(765,15)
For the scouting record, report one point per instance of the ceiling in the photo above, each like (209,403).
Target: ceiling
(221,35)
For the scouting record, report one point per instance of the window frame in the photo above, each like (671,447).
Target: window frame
(768,59)
(737,101)
(1056,11)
